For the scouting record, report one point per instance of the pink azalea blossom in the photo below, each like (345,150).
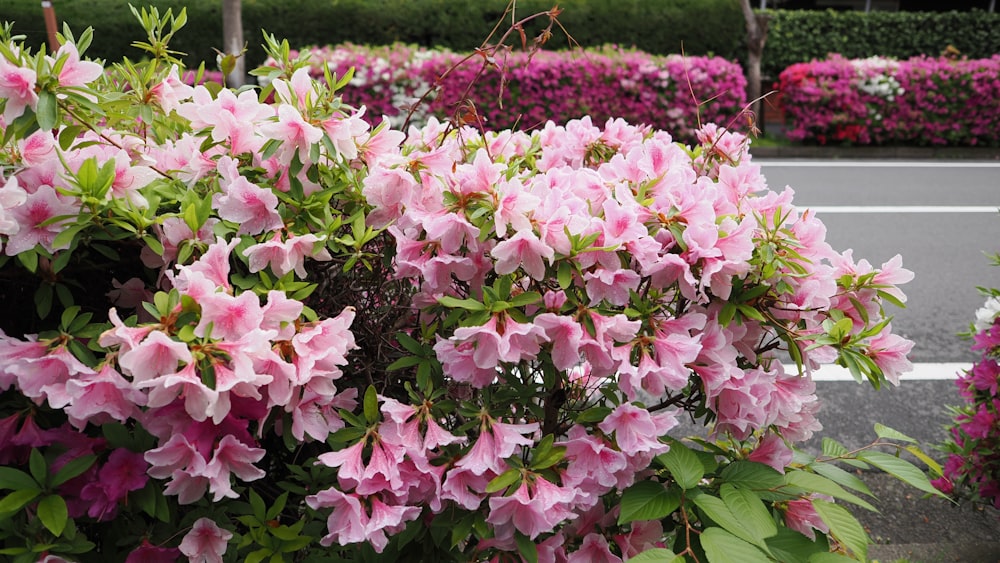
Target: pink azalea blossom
(531,514)
(595,549)
(75,72)
(17,87)
(39,207)
(232,457)
(206,542)
(226,317)
(523,250)
(772,451)
(638,431)
(801,516)
(253,208)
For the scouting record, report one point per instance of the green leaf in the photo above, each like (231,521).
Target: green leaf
(647,500)
(886,432)
(37,465)
(257,506)
(17,499)
(844,527)
(657,555)
(723,547)
(53,513)
(830,558)
(453,303)
(73,468)
(841,477)
(900,469)
(751,475)
(15,479)
(717,511)
(833,448)
(526,547)
(371,405)
(683,465)
(564,274)
(814,483)
(504,480)
(47,110)
(749,509)
(789,546)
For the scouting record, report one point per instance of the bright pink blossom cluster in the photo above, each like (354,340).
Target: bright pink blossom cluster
(919,101)
(575,290)
(674,93)
(973,464)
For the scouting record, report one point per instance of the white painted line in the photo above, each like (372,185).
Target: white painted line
(936,209)
(921,372)
(873,163)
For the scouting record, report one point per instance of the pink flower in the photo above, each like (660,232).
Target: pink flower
(75,72)
(149,553)
(801,516)
(296,134)
(17,86)
(253,208)
(154,356)
(39,207)
(531,515)
(206,542)
(636,430)
(594,550)
(772,450)
(524,249)
(101,397)
(350,523)
(226,317)
(232,457)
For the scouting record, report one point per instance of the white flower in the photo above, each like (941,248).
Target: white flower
(986,315)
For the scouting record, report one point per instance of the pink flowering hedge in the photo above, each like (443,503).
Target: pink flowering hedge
(674,93)
(973,464)
(249,326)
(919,101)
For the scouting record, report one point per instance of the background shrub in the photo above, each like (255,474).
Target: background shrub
(655,26)
(799,35)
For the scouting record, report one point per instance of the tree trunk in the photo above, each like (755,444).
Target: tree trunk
(756,37)
(232,40)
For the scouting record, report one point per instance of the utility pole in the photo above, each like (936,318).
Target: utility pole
(50,24)
(232,40)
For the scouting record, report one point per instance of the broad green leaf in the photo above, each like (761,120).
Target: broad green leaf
(468,304)
(789,546)
(53,513)
(38,466)
(844,527)
(716,510)
(647,500)
(814,483)
(526,548)
(841,477)
(257,506)
(751,475)
(683,464)
(901,469)
(723,547)
(833,448)
(749,509)
(17,499)
(657,555)
(892,434)
(504,480)
(830,558)
(47,110)
(15,479)
(72,469)
(932,464)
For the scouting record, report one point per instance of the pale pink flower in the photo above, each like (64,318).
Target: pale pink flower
(11,196)
(458,360)
(253,208)
(594,550)
(17,86)
(638,431)
(609,285)
(155,355)
(232,457)
(39,207)
(524,250)
(296,134)
(531,515)
(889,352)
(227,317)
(206,542)
(344,131)
(170,91)
(564,333)
(75,72)
(212,267)
(101,397)
(323,346)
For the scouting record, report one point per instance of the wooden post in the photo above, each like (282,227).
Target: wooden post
(50,24)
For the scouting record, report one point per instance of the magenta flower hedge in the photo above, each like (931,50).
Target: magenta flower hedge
(920,101)
(674,92)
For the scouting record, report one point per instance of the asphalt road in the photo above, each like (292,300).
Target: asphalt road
(942,218)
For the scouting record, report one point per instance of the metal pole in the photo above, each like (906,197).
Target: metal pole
(993,6)
(50,24)
(868,5)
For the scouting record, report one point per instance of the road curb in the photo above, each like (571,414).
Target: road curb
(936,552)
(877,153)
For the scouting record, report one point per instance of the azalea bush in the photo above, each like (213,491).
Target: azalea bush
(919,101)
(972,467)
(240,330)
(524,90)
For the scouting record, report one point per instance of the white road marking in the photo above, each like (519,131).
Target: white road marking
(936,209)
(873,163)
(921,372)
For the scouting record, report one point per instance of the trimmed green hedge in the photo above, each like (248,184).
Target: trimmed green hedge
(799,36)
(654,26)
